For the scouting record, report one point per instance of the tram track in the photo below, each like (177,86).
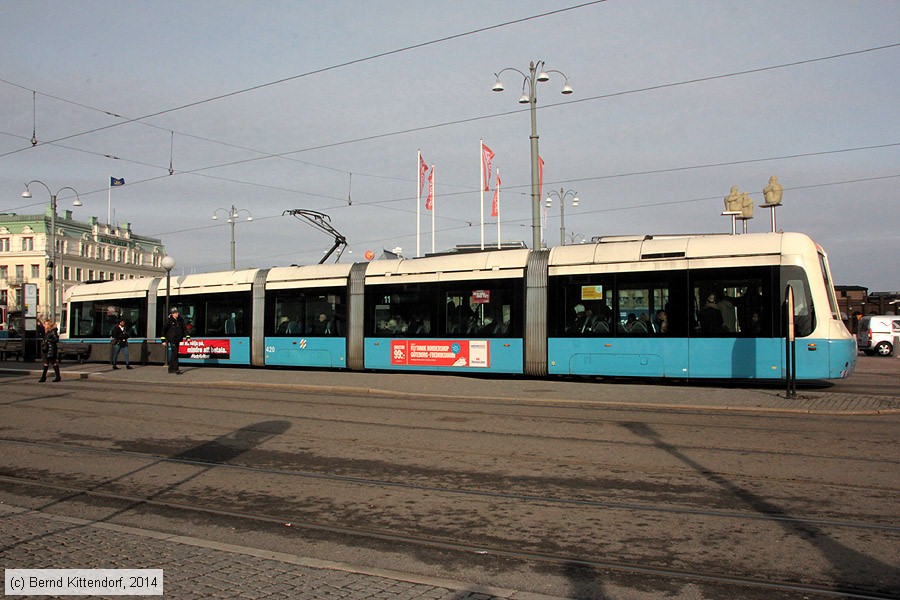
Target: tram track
(487,494)
(393,537)
(445,426)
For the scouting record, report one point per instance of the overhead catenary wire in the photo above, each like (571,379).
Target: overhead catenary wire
(348,63)
(199,171)
(527,221)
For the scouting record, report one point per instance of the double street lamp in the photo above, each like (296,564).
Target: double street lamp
(232,218)
(51,240)
(536,74)
(561,195)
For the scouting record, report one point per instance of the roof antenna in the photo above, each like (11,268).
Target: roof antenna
(350,189)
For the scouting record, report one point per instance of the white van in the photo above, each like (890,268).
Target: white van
(876,334)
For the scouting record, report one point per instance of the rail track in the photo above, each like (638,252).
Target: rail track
(755,583)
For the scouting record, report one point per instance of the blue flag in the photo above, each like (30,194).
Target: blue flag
(114,182)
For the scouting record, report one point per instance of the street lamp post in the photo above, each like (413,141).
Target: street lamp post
(536,73)
(232,218)
(561,195)
(168,263)
(51,266)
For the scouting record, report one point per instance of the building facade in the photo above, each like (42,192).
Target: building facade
(85,251)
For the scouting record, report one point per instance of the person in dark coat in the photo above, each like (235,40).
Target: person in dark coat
(120,343)
(50,350)
(173,333)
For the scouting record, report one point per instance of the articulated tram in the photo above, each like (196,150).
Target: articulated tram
(684,307)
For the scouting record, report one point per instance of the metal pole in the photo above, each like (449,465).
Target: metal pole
(562,218)
(233,218)
(790,350)
(535,168)
(168,295)
(52,240)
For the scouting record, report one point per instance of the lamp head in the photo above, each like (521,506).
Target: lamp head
(215,217)
(575,201)
(567,89)
(543,76)
(549,201)
(250,218)
(498,86)
(26,193)
(77,201)
(168,263)
(524,99)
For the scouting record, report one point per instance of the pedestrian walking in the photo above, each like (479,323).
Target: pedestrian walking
(50,350)
(173,333)
(120,343)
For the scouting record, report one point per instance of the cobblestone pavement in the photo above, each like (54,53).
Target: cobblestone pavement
(196,568)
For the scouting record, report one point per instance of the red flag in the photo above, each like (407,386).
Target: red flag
(429,201)
(487,155)
(495,206)
(540,177)
(423,168)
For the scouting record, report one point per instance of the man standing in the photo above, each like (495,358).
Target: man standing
(173,333)
(120,343)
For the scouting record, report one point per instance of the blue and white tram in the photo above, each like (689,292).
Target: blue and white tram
(692,306)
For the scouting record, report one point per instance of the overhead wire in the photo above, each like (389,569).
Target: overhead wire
(329,68)
(364,243)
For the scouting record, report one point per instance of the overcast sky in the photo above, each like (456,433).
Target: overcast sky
(674,103)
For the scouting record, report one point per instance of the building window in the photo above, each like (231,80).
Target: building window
(67,273)
(27,244)
(79,274)
(4,244)
(4,272)
(35,271)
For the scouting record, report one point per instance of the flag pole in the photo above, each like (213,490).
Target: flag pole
(497,191)
(418,202)
(481,186)
(433,206)
(109,200)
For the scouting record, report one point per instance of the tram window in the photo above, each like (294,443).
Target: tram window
(213,315)
(730,303)
(403,311)
(804,316)
(223,317)
(306,312)
(485,311)
(97,319)
(483,308)
(627,305)
(829,288)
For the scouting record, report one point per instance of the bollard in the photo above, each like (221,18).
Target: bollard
(895,346)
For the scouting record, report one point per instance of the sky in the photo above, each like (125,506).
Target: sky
(269,106)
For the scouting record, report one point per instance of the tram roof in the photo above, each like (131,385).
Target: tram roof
(308,275)
(450,263)
(121,288)
(203,282)
(631,249)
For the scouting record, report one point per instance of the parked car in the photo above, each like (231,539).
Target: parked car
(876,334)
